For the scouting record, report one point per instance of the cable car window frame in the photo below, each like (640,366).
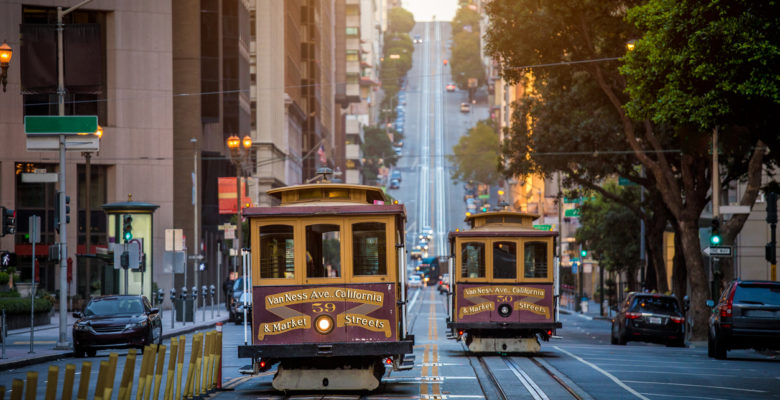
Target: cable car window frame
(254,237)
(391,261)
(459,251)
(260,250)
(344,257)
(516,242)
(548,242)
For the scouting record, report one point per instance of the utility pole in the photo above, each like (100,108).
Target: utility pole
(771,247)
(716,274)
(195,236)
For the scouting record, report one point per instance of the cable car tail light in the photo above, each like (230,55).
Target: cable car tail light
(323,324)
(389,361)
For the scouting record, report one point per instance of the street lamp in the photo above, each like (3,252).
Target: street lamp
(88,210)
(238,156)
(6,52)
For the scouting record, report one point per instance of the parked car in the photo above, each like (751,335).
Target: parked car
(747,316)
(450,87)
(396,174)
(395,184)
(418,39)
(444,283)
(397,150)
(649,317)
(415,281)
(465,107)
(235,295)
(399,143)
(244,300)
(416,253)
(111,322)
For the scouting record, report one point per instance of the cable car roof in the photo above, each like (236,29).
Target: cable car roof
(502,223)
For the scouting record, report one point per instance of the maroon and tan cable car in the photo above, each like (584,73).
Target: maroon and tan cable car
(503,284)
(329,304)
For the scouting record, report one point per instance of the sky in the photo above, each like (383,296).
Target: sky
(424,10)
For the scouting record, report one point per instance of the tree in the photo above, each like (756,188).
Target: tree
(399,20)
(611,232)
(526,32)
(465,17)
(377,151)
(465,61)
(475,157)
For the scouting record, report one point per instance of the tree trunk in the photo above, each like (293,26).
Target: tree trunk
(697,277)
(679,274)
(654,240)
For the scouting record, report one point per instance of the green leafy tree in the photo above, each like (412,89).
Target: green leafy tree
(526,32)
(377,152)
(399,20)
(611,231)
(465,60)
(464,17)
(475,157)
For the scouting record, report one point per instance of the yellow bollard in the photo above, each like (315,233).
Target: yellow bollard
(67,383)
(167,394)
(17,389)
(189,388)
(51,384)
(32,385)
(218,360)
(2,392)
(198,365)
(207,364)
(101,382)
(149,381)
(204,364)
(127,376)
(180,366)
(148,357)
(159,372)
(211,360)
(108,382)
(86,369)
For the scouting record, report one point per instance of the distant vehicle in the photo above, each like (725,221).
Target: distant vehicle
(112,322)
(649,317)
(450,87)
(445,61)
(423,244)
(397,150)
(444,283)
(747,316)
(426,233)
(396,174)
(417,39)
(416,253)
(244,300)
(399,143)
(415,281)
(465,107)
(395,184)
(471,205)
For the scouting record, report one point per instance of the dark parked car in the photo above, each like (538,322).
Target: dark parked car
(649,317)
(235,295)
(747,316)
(116,322)
(244,300)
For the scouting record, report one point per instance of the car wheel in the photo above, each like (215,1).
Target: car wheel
(159,335)
(612,338)
(676,343)
(78,352)
(719,348)
(91,352)
(710,345)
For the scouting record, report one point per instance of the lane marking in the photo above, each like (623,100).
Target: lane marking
(605,373)
(703,386)
(526,380)
(677,396)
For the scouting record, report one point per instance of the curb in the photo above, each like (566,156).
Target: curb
(69,354)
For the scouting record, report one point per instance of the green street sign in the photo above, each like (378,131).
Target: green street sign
(484,196)
(543,227)
(60,125)
(625,182)
(569,200)
(574,212)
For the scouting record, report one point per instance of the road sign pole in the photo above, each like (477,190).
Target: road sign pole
(63,343)
(33,234)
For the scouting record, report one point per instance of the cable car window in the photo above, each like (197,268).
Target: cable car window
(504,260)
(323,251)
(277,252)
(310,194)
(535,260)
(369,246)
(472,255)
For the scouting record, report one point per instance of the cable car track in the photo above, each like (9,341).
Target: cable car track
(532,386)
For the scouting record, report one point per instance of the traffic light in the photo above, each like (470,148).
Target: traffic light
(127,228)
(583,253)
(9,221)
(771,208)
(57,211)
(715,235)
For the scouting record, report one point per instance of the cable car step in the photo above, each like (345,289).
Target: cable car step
(247,370)
(407,363)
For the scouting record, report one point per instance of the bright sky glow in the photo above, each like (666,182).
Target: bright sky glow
(424,10)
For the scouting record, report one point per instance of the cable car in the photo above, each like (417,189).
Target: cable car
(328,270)
(503,282)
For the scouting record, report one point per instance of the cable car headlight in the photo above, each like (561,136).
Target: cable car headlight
(323,324)
(504,310)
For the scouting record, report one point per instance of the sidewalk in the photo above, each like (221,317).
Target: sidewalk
(17,343)
(591,313)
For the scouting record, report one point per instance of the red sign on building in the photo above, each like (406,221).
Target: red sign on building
(227,195)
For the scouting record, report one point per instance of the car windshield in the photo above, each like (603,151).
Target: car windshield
(655,305)
(757,294)
(414,278)
(114,306)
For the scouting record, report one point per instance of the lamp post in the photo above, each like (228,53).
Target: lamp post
(239,152)
(88,209)
(6,52)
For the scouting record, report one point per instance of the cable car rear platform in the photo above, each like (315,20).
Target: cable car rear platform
(344,349)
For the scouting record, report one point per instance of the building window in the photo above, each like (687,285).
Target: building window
(353,55)
(353,31)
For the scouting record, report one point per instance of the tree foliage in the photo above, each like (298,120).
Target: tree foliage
(465,17)
(399,20)
(611,231)
(465,60)
(377,152)
(475,157)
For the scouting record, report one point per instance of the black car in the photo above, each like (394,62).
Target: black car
(234,296)
(116,322)
(747,316)
(649,317)
(244,300)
